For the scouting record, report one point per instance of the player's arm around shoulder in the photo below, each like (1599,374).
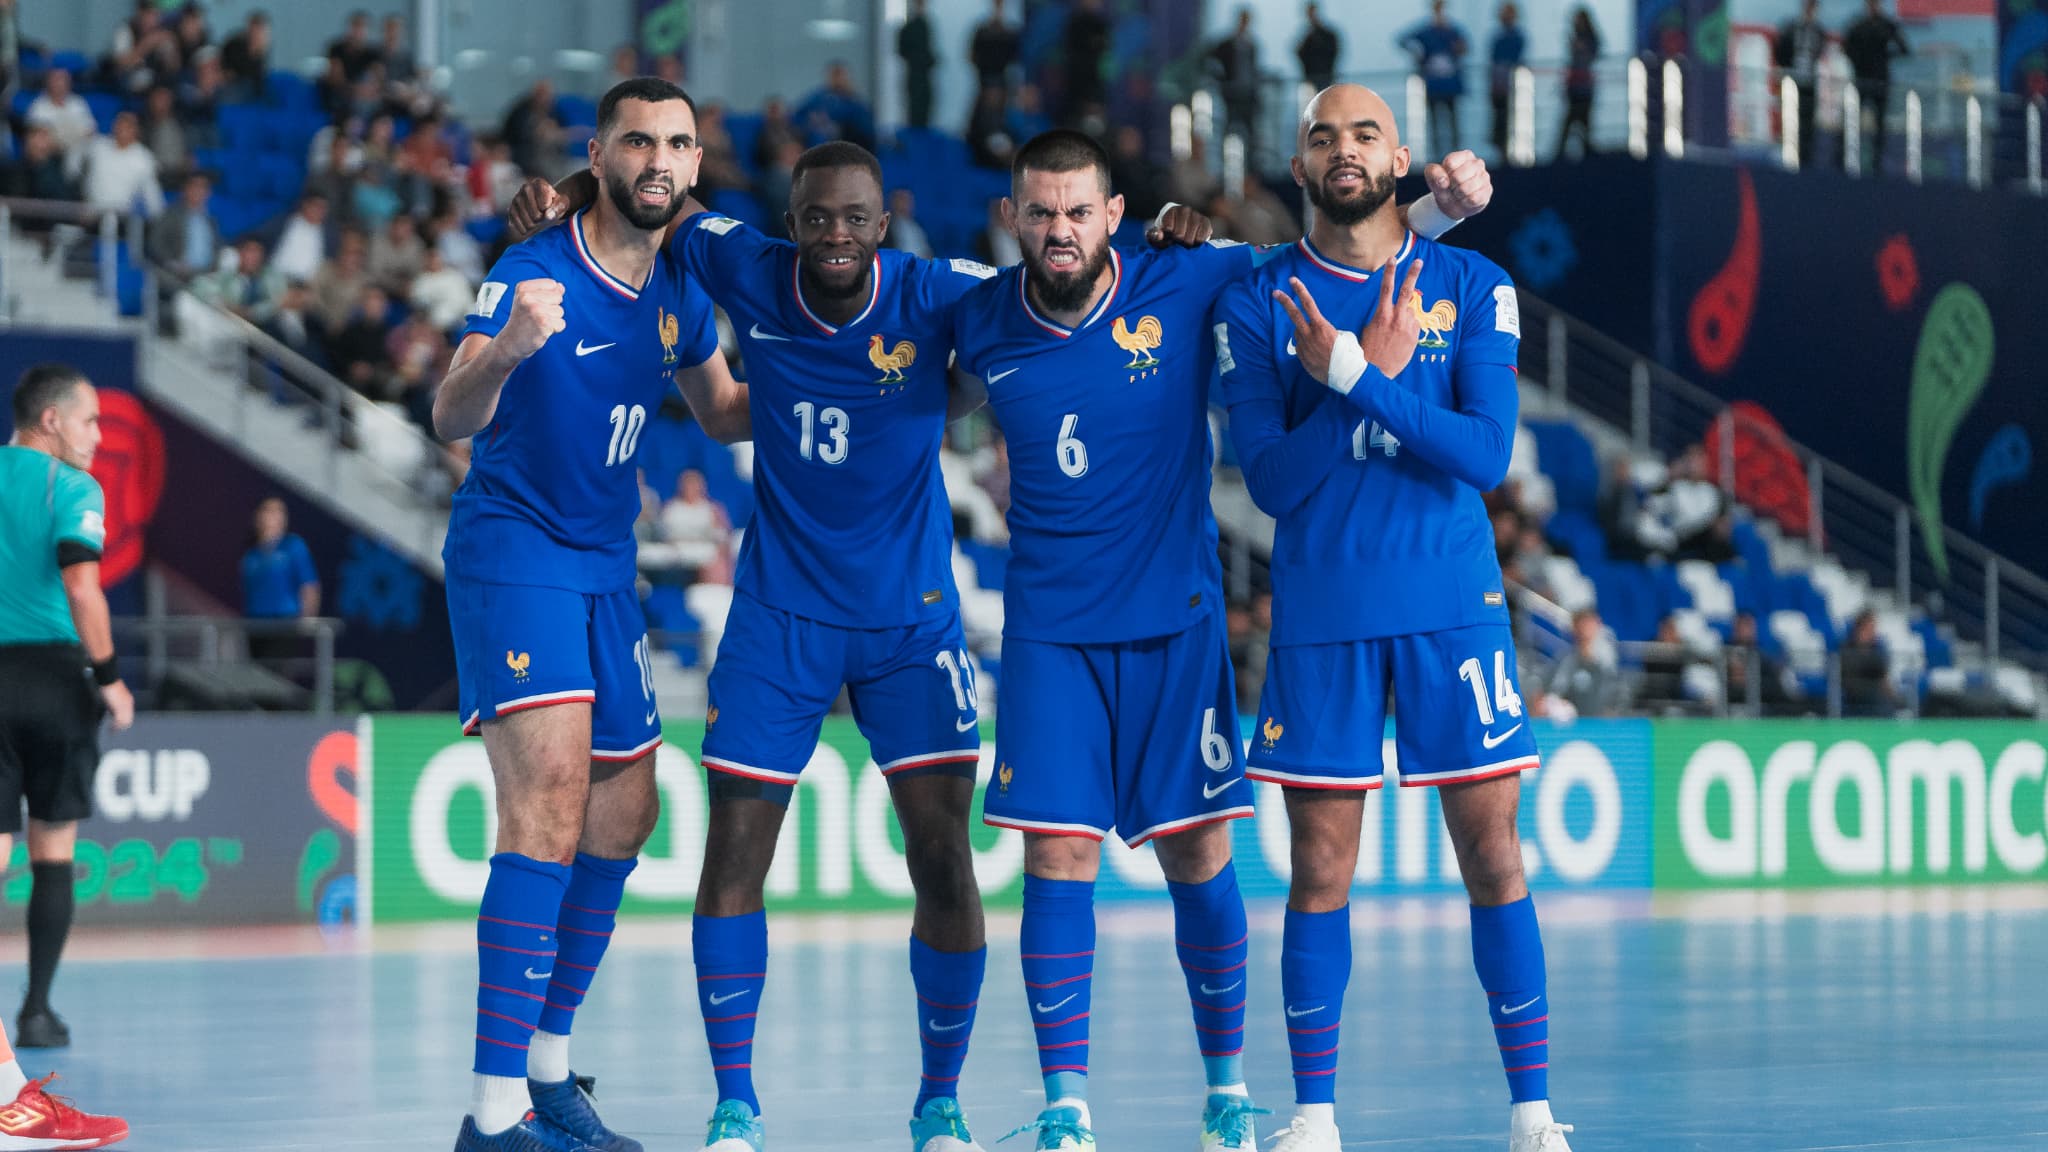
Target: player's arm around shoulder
(719,402)
(468,398)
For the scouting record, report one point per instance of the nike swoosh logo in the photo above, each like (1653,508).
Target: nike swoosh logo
(1209,793)
(935,1026)
(582,351)
(1518,1007)
(757,334)
(1293,1015)
(716,999)
(1493,742)
(649,718)
(1208,991)
(1290,345)
(1050,1007)
(995,376)
(532,975)
(967,725)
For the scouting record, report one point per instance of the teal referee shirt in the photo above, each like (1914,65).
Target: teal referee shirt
(44,504)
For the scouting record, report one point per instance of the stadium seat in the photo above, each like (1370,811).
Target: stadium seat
(76,63)
(745,130)
(572,111)
(1569,461)
(740,206)
(105,106)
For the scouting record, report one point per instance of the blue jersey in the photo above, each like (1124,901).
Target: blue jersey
(1382,527)
(552,491)
(1111,535)
(851,522)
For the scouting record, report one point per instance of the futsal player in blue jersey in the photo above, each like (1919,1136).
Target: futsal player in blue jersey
(844,579)
(1118,706)
(575,338)
(1372,451)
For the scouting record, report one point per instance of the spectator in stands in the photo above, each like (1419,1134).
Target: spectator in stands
(1189,180)
(1797,50)
(1250,662)
(530,128)
(1439,47)
(120,174)
(339,284)
(625,66)
(1253,215)
(397,255)
(1689,517)
(360,347)
(905,233)
(1133,174)
(249,287)
(993,49)
(1027,116)
(914,48)
(1663,687)
(10,51)
(418,352)
(199,99)
(994,478)
(1510,46)
(776,131)
(1234,61)
(494,178)
(1746,657)
(1589,676)
(989,142)
(292,324)
(836,111)
(1866,675)
(1621,513)
(164,135)
(699,530)
(144,52)
(353,50)
(40,174)
(773,187)
(1871,43)
(191,31)
(1582,52)
(457,246)
(996,246)
(185,239)
(401,71)
(1085,43)
(1318,51)
(245,58)
(669,67)
(279,581)
(302,245)
(374,196)
(67,116)
(720,169)
(441,292)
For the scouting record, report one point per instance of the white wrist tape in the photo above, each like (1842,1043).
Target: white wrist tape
(1159,221)
(1347,363)
(1428,220)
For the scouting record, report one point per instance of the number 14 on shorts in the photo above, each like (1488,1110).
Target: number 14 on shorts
(1505,699)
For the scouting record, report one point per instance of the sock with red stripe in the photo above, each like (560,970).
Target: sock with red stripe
(1210,934)
(948,986)
(1507,949)
(1058,943)
(1315,966)
(589,912)
(515,953)
(732,964)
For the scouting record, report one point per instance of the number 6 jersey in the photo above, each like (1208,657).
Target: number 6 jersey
(552,491)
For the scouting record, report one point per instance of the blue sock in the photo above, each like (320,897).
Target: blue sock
(948,986)
(1058,944)
(1507,949)
(1315,965)
(732,964)
(515,956)
(1210,934)
(589,910)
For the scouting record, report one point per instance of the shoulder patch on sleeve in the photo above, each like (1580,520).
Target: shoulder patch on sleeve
(974,268)
(92,526)
(487,297)
(1224,361)
(1507,311)
(1223,242)
(718,225)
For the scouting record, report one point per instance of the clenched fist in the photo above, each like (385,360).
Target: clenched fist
(538,206)
(536,315)
(1182,225)
(1461,185)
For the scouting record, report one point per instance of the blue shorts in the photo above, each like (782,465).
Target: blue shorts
(1138,736)
(518,646)
(777,675)
(1457,711)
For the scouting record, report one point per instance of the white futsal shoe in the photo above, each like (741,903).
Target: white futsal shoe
(1302,1136)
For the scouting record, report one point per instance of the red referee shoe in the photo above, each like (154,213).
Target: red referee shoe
(37,1120)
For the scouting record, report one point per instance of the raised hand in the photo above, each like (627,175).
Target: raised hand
(1388,339)
(1181,225)
(536,315)
(537,206)
(1461,185)
(1313,335)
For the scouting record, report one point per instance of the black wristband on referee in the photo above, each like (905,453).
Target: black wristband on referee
(105,672)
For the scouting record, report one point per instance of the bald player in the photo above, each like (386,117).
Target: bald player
(1370,375)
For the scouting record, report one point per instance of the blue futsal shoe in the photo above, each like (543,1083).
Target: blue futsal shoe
(1060,1129)
(569,1106)
(941,1127)
(533,1134)
(734,1128)
(1227,1123)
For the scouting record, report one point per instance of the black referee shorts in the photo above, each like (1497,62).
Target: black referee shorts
(49,733)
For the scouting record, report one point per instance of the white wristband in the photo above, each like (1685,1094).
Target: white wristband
(1347,363)
(1428,220)
(1159,221)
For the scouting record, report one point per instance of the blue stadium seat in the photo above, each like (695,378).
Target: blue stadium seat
(76,63)
(1794,592)
(740,206)
(572,111)
(1629,601)
(104,105)
(745,131)
(1569,462)
(1581,534)
(486,231)
(241,127)
(22,99)
(291,90)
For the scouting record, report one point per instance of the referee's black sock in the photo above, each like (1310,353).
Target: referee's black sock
(50,904)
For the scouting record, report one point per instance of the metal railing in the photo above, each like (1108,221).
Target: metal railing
(80,238)
(1988,599)
(215,642)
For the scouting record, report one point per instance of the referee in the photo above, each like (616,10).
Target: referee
(57,673)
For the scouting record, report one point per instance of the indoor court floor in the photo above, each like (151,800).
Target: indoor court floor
(1731,1023)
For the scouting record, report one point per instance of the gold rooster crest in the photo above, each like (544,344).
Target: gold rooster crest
(1139,343)
(517,662)
(1438,320)
(711,717)
(1003,776)
(892,362)
(671,331)
(1272,730)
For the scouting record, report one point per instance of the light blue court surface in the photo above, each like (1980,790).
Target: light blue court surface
(1839,1021)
